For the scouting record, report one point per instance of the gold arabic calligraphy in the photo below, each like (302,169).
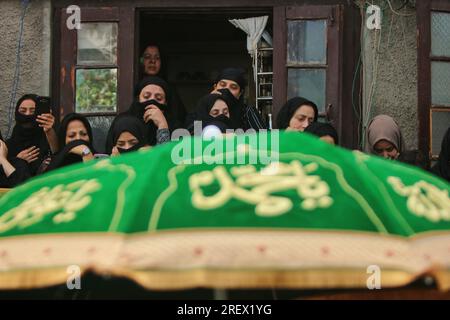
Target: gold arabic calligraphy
(424,199)
(256,187)
(65,200)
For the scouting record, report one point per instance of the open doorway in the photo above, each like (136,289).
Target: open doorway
(195,46)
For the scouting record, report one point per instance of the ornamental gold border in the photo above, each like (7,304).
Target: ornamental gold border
(225,279)
(281,276)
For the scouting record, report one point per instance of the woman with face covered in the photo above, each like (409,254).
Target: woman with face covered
(75,139)
(33,138)
(127,134)
(152,106)
(216,109)
(233,82)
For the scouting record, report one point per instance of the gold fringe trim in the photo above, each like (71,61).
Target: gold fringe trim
(221,279)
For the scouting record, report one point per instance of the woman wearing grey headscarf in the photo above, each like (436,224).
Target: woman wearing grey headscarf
(384,138)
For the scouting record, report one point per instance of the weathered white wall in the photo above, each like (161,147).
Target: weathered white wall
(390,69)
(34,75)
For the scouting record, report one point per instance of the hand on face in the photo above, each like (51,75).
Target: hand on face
(115,152)
(153,113)
(78,150)
(232,86)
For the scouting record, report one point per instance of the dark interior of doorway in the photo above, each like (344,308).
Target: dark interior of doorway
(196,46)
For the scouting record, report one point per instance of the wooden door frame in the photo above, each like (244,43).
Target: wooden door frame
(350,45)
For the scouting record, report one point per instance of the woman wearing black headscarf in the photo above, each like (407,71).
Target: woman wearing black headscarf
(153,66)
(126,134)
(12,172)
(33,138)
(217,109)
(324,131)
(152,105)
(442,167)
(75,139)
(297,114)
(232,81)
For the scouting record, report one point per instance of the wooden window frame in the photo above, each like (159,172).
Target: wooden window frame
(332,66)
(424,59)
(67,64)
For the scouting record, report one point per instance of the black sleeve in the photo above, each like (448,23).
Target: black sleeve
(189,123)
(4,183)
(180,109)
(253,119)
(20,175)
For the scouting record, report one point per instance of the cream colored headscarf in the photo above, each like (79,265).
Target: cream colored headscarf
(383,127)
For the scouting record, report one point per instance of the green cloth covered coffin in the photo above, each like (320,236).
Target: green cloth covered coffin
(226,214)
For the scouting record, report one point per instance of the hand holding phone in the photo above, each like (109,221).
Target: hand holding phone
(43,105)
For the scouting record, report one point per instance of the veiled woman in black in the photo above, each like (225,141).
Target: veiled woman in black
(153,107)
(218,110)
(153,65)
(126,134)
(33,138)
(75,140)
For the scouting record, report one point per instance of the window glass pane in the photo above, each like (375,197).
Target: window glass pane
(100,126)
(306,41)
(97,44)
(440,121)
(440,83)
(308,83)
(96,90)
(440,34)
